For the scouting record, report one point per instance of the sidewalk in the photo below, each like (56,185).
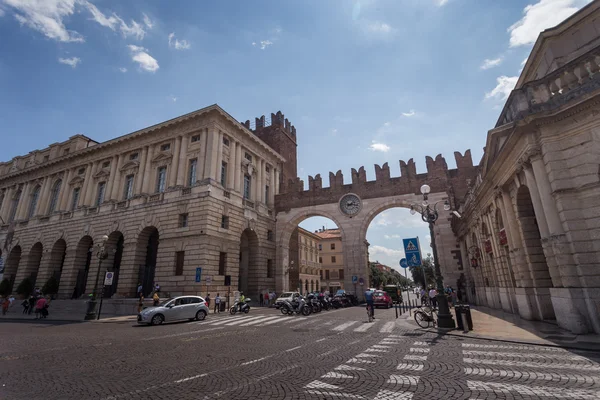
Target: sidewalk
(497,325)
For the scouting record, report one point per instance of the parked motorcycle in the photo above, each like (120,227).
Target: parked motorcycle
(314,303)
(325,303)
(245,307)
(299,306)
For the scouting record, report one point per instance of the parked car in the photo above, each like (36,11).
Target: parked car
(382,299)
(177,309)
(395,292)
(285,296)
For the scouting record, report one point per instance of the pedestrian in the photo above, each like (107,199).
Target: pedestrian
(11,300)
(140,302)
(139,289)
(267,298)
(155,299)
(31,304)
(272,298)
(217,304)
(207,299)
(156,287)
(261,299)
(5,304)
(25,305)
(41,308)
(432,297)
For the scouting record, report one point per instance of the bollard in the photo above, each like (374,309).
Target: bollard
(396,311)
(463,317)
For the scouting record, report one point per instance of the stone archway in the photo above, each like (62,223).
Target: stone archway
(54,264)
(83,259)
(249,269)
(12,265)
(146,252)
(32,264)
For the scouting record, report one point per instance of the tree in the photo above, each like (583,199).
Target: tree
(417,272)
(381,278)
(25,288)
(5,287)
(51,286)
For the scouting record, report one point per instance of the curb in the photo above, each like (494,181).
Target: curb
(73,321)
(571,346)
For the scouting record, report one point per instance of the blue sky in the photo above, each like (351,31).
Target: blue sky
(364,82)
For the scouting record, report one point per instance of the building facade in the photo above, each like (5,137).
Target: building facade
(530,224)
(187,203)
(308,254)
(331,258)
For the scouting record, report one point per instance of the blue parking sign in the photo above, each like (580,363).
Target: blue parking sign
(412,249)
(198,274)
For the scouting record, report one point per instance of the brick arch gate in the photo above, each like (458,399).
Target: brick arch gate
(295,204)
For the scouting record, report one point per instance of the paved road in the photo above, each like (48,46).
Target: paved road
(264,355)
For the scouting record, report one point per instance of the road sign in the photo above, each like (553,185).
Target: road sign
(108,278)
(354,279)
(404,263)
(412,251)
(208,280)
(199,274)
(361,281)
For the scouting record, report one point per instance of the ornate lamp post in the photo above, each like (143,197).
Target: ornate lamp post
(429,214)
(102,255)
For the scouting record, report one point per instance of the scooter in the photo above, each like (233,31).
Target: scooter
(245,307)
(299,307)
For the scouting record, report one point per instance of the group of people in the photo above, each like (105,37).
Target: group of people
(267,299)
(430,297)
(155,296)
(36,302)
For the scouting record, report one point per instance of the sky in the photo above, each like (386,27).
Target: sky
(364,81)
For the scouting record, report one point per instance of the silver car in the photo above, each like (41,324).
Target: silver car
(177,309)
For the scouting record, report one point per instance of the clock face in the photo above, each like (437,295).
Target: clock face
(350,204)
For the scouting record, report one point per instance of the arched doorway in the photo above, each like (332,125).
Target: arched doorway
(534,252)
(146,252)
(249,263)
(12,265)
(57,260)
(83,260)
(114,244)
(32,265)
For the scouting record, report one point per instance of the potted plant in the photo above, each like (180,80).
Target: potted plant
(50,287)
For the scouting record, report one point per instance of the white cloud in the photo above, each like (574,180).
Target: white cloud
(146,61)
(172,98)
(265,43)
(134,29)
(540,16)
(334,131)
(123,69)
(441,2)
(491,63)
(253,43)
(176,44)
(46,16)
(148,22)
(409,114)
(380,27)
(1,12)
(379,147)
(505,85)
(391,236)
(397,253)
(97,15)
(73,61)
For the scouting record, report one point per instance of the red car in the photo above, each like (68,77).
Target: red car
(382,299)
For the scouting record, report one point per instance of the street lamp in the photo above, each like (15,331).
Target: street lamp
(102,255)
(429,214)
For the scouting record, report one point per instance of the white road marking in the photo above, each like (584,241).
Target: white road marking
(532,364)
(344,326)
(390,395)
(190,378)
(279,319)
(337,375)
(348,368)
(316,384)
(417,358)
(526,355)
(420,344)
(364,327)
(255,361)
(378,346)
(419,350)
(500,346)
(324,393)
(365,355)
(226,320)
(545,376)
(371,350)
(360,360)
(403,380)
(294,348)
(320,340)
(534,391)
(410,366)
(181,334)
(387,328)
(260,321)
(241,321)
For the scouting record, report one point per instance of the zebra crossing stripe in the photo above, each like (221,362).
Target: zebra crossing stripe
(241,321)
(500,346)
(343,326)
(348,368)
(387,328)
(526,355)
(371,350)
(323,393)
(360,360)
(258,321)
(416,358)
(532,364)
(364,327)
(403,380)
(544,376)
(410,366)
(337,375)
(420,344)
(221,321)
(418,350)
(534,391)
(390,395)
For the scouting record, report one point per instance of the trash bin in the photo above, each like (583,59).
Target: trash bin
(467,310)
(463,309)
(458,309)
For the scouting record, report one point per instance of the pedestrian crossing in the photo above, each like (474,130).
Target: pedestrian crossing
(256,321)
(488,371)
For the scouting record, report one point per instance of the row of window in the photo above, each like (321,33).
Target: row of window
(333,260)
(339,274)
(180,259)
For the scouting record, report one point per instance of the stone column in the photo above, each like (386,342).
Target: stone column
(231,167)
(147,174)
(548,203)
(183,159)
(139,177)
(42,207)
(174,163)
(272,190)
(276,183)
(537,202)
(219,157)
(89,188)
(258,185)
(23,203)
(201,172)
(116,185)
(65,190)
(210,154)
(238,167)
(8,195)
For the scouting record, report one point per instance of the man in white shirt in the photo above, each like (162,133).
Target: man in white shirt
(432,294)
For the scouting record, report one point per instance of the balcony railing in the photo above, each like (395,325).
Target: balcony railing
(571,81)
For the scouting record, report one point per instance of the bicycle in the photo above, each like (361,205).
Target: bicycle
(425,316)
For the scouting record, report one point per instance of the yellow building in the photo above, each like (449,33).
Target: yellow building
(331,258)
(308,256)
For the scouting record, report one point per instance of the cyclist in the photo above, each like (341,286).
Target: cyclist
(369,299)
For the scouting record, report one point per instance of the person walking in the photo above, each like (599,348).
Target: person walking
(5,304)
(140,302)
(217,304)
(31,304)
(139,289)
(155,299)
(40,308)
(25,305)
(432,297)
(207,299)
(267,298)
(261,299)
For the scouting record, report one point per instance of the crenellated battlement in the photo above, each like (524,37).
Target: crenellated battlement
(277,119)
(438,176)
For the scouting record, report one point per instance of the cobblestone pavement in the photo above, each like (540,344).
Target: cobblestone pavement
(265,355)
